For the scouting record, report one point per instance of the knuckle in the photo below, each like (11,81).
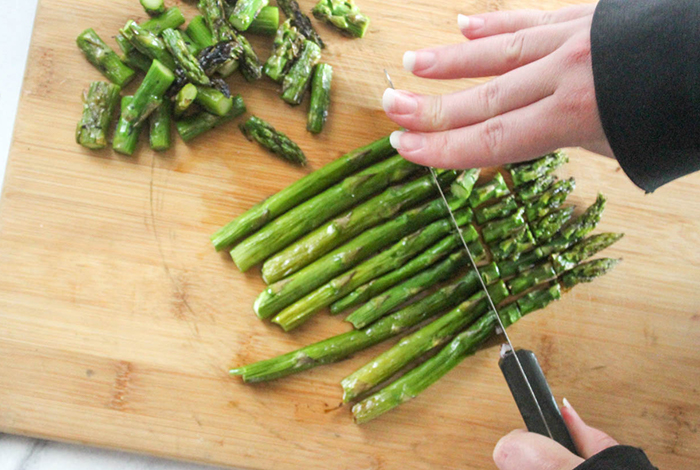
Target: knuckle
(513,47)
(578,51)
(547,18)
(579,100)
(435,116)
(488,96)
(492,136)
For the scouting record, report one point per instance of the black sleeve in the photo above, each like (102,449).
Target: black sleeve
(618,458)
(646,68)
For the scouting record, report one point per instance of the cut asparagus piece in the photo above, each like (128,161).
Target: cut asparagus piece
(148,43)
(104,58)
(501,228)
(132,57)
(126,136)
(285,50)
(551,199)
(531,277)
(550,224)
(153,7)
(275,141)
(192,46)
(245,12)
(172,18)
(515,245)
(493,189)
(533,170)
(583,250)
(213,101)
(175,43)
(463,186)
(296,81)
(199,32)
(184,98)
(341,346)
(309,215)
(284,293)
(197,124)
(99,103)
(267,22)
(338,230)
(499,210)
(149,94)
(410,348)
(388,260)
(587,272)
(160,124)
(222,58)
(300,21)
(215,16)
(343,15)
(251,68)
(320,98)
(304,189)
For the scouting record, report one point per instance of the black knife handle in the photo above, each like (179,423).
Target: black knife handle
(523,397)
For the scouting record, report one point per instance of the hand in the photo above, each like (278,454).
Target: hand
(542,99)
(521,450)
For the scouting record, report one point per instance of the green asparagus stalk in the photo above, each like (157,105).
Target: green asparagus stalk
(531,190)
(160,123)
(545,228)
(285,50)
(500,229)
(267,22)
(551,199)
(296,81)
(245,12)
(410,348)
(175,43)
(104,58)
(275,141)
(338,230)
(284,293)
(341,346)
(222,58)
(148,43)
(197,124)
(213,101)
(149,93)
(320,98)
(302,219)
(583,250)
(534,300)
(388,260)
(300,21)
(126,136)
(184,98)
(172,18)
(199,32)
(499,210)
(464,184)
(304,189)
(99,103)
(493,189)
(215,16)
(251,68)
(192,46)
(515,245)
(343,15)
(532,277)
(153,7)
(588,272)
(533,170)
(131,57)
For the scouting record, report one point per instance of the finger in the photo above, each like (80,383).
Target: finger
(512,137)
(489,56)
(513,90)
(529,451)
(499,22)
(589,441)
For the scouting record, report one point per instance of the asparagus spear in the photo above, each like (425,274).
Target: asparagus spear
(160,123)
(587,272)
(532,277)
(583,250)
(245,12)
(153,7)
(147,43)
(550,224)
(501,228)
(551,199)
(309,215)
(493,189)
(172,18)
(126,136)
(341,346)
(410,348)
(531,190)
(283,293)
(300,21)
(496,211)
(213,12)
(184,98)
(338,230)
(285,50)
(251,68)
(197,124)
(342,14)
(213,101)
(320,98)
(304,189)
(149,93)
(98,108)
(222,58)
(296,81)
(515,245)
(463,186)
(175,43)
(199,32)
(273,140)
(192,47)
(267,22)
(130,56)
(104,58)
(530,171)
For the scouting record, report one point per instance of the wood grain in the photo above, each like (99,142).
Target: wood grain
(119,320)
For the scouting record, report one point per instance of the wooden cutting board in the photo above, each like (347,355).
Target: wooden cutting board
(119,321)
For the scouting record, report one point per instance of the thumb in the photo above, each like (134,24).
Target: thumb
(589,441)
(521,450)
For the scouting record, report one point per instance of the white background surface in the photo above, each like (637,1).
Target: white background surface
(21,453)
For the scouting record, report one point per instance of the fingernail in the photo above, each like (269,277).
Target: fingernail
(395,139)
(409,60)
(417,61)
(406,141)
(398,102)
(566,403)
(469,22)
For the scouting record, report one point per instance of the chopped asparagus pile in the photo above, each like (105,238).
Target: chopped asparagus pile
(343,15)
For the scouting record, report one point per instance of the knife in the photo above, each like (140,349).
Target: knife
(520,367)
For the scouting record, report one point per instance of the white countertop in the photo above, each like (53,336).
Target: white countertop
(21,453)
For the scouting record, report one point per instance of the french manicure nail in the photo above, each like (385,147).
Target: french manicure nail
(409,60)
(469,22)
(406,141)
(398,102)
(395,139)
(566,403)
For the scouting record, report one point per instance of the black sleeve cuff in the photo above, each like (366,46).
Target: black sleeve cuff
(646,68)
(618,458)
